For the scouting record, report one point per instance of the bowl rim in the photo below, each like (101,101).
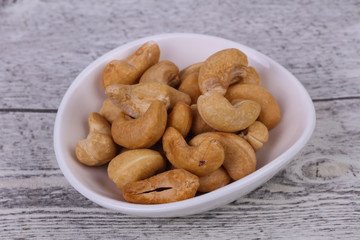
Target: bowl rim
(172,209)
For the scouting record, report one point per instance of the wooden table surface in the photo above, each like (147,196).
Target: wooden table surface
(44,45)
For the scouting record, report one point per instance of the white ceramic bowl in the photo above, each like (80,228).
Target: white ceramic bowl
(86,94)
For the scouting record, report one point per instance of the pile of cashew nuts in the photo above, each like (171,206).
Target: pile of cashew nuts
(168,135)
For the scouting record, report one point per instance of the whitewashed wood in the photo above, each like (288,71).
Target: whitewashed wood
(45,44)
(315,197)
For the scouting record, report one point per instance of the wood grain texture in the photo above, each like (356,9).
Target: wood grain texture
(46,44)
(314,198)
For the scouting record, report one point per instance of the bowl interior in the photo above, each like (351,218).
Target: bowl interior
(86,95)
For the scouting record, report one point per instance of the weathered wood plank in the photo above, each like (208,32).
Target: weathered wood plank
(26,142)
(27,138)
(45,44)
(315,197)
(274,223)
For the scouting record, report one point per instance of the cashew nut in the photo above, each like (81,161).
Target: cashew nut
(250,76)
(202,158)
(135,99)
(129,70)
(190,86)
(256,134)
(189,70)
(177,96)
(222,69)
(109,110)
(158,147)
(270,111)
(198,124)
(142,132)
(170,186)
(180,118)
(135,165)
(165,72)
(219,114)
(98,148)
(240,158)
(214,180)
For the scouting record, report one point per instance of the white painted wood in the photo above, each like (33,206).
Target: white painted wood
(315,197)
(45,44)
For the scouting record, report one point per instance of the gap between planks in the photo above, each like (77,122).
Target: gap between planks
(37,110)
(28,110)
(336,99)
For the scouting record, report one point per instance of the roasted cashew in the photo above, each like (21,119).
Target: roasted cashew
(109,110)
(200,159)
(270,111)
(170,186)
(158,147)
(135,165)
(250,76)
(198,124)
(142,132)
(190,85)
(98,148)
(135,99)
(256,134)
(189,70)
(180,118)
(240,158)
(221,115)
(129,70)
(165,72)
(222,69)
(177,96)
(214,180)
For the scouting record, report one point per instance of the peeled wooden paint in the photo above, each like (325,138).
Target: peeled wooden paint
(170,186)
